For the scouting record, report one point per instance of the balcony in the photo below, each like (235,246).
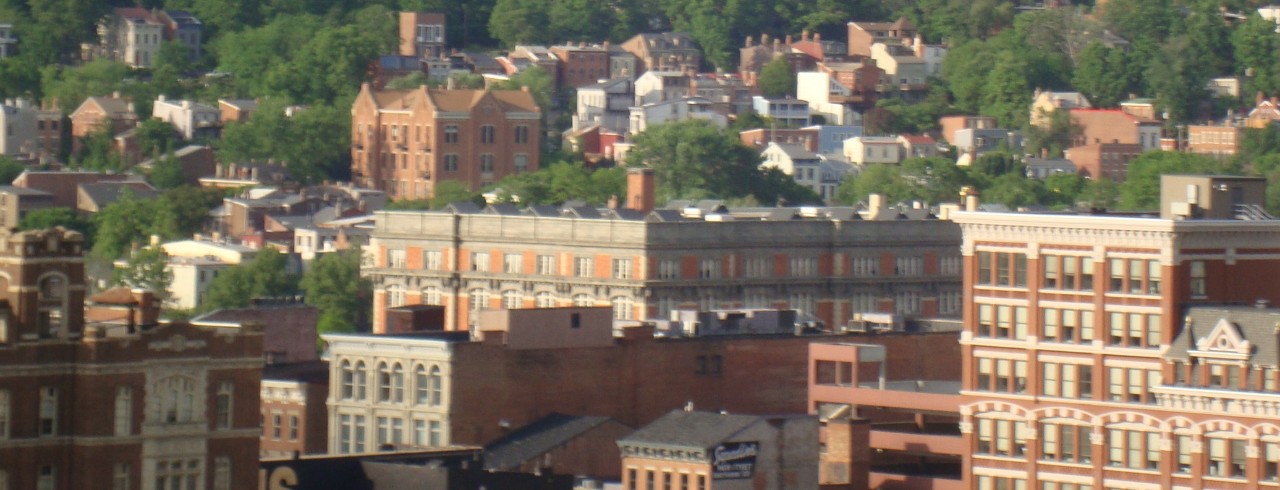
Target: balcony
(1218,401)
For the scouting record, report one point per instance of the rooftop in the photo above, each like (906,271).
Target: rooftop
(691,429)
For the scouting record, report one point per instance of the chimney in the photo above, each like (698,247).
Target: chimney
(160,98)
(613,202)
(747,43)
(875,202)
(969,197)
(804,35)
(640,189)
(788,39)
(817,37)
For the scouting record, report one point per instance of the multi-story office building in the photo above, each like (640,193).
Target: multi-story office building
(404,142)
(1095,359)
(106,397)
(828,263)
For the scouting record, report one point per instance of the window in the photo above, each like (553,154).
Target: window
(623,307)
(451,162)
(361,380)
(124,411)
(432,259)
(344,433)
(359,437)
(1270,460)
(622,268)
(1133,449)
(709,268)
(522,134)
(222,415)
(1226,457)
(435,384)
(119,477)
(544,299)
(486,163)
(1134,330)
(178,474)
(521,162)
(419,432)
(384,382)
(1197,282)
(293,427)
(434,437)
(451,134)
(45,478)
(395,259)
(1002,269)
(431,296)
(583,299)
(546,265)
(1182,448)
(48,411)
(480,261)
(583,266)
(277,425)
(4,414)
(348,380)
(222,473)
(512,263)
(804,266)
(487,132)
(866,266)
(1065,443)
(1002,375)
(1000,437)
(511,299)
(670,269)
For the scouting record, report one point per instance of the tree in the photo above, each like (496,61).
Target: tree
(166,172)
(1100,193)
(40,219)
(1141,187)
(410,81)
(147,269)
(777,79)
(563,181)
(1014,190)
(1062,189)
(1255,44)
(520,22)
(540,84)
(885,180)
(1008,93)
(70,86)
(155,136)
(10,169)
(265,276)
(334,286)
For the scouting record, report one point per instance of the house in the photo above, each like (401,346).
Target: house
(18,123)
(863,35)
(92,198)
(606,104)
(761,138)
(185,28)
(665,51)
(658,86)
(8,43)
(193,265)
(1098,160)
(693,449)
(918,145)
(1225,87)
(729,92)
(541,57)
(1042,167)
(423,35)
(838,91)
(1219,141)
(560,444)
(192,120)
(595,142)
(867,150)
(404,142)
(63,185)
(196,161)
(1044,103)
(901,66)
(131,35)
(809,169)
(950,125)
(975,142)
(785,111)
(1142,108)
(16,202)
(800,55)
(1115,126)
(114,114)
(1265,112)
(582,65)
(680,109)
(237,110)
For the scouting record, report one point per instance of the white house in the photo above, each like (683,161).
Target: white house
(818,89)
(18,120)
(191,119)
(786,111)
(658,86)
(675,110)
(607,104)
(867,150)
(809,169)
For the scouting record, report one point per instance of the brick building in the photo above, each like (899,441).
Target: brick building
(119,402)
(404,142)
(96,113)
(1218,141)
(423,34)
(1097,353)
(293,413)
(862,35)
(665,51)
(432,389)
(1099,160)
(828,263)
(581,65)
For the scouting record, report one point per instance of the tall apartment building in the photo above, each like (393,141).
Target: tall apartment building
(1098,355)
(107,398)
(829,263)
(423,35)
(404,142)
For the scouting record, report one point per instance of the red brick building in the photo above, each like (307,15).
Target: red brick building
(582,65)
(1109,160)
(1097,352)
(96,113)
(120,402)
(293,414)
(405,142)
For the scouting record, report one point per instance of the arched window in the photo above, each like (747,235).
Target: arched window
(545,299)
(421,393)
(435,384)
(397,383)
(384,382)
(623,307)
(583,300)
(395,296)
(52,287)
(362,380)
(348,380)
(511,299)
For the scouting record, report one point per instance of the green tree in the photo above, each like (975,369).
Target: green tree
(1007,93)
(10,169)
(1014,190)
(70,86)
(540,84)
(777,79)
(885,180)
(97,152)
(147,268)
(155,137)
(266,275)
(410,81)
(40,219)
(1100,193)
(1063,189)
(563,181)
(1141,187)
(119,225)
(166,172)
(334,286)
(1255,45)
(520,22)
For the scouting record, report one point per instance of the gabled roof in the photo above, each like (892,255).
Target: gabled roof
(793,151)
(690,429)
(457,100)
(105,193)
(538,438)
(1229,330)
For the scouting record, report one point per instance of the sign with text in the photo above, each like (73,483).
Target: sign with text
(734,460)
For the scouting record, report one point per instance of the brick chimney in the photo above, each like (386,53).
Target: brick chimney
(640,189)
